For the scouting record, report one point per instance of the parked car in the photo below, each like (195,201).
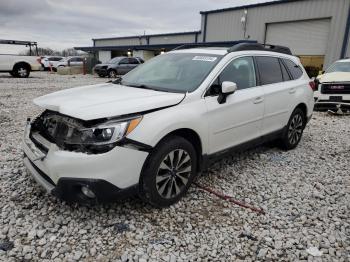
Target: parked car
(69,61)
(46,61)
(117,66)
(19,65)
(153,130)
(333,87)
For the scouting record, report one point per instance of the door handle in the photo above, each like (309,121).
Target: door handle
(258,100)
(292,91)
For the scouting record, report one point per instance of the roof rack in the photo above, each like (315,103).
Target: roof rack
(261,47)
(212,44)
(18,42)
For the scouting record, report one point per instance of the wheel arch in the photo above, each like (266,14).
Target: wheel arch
(303,107)
(22,63)
(191,136)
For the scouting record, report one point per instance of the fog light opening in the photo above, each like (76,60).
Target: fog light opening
(88,192)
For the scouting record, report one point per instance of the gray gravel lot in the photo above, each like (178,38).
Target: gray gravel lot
(305,194)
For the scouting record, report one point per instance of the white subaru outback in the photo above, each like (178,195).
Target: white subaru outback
(155,129)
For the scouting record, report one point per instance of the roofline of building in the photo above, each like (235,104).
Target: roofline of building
(161,46)
(151,35)
(247,6)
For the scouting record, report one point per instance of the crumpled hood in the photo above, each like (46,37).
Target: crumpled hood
(335,77)
(106,100)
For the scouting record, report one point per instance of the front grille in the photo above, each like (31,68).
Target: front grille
(336,88)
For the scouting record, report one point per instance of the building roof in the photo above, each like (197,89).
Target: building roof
(247,6)
(149,35)
(162,46)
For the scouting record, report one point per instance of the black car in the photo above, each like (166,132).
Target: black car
(117,66)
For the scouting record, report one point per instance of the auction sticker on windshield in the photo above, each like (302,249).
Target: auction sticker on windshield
(205,58)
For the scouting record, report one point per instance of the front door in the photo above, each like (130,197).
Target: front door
(239,119)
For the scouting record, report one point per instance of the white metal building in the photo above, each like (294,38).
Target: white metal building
(316,30)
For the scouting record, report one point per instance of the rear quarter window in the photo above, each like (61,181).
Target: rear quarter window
(293,68)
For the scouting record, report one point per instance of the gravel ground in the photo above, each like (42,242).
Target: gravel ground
(305,194)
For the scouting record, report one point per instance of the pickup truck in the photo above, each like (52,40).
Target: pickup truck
(18,65)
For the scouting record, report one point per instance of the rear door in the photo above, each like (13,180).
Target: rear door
(123,66)
(277,87)
(133,62)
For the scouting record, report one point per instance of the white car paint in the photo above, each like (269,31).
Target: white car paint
(52,61)
(106,100)
(336,78)
(246,115)
(7,62)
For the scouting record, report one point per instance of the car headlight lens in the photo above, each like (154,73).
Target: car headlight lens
(105,134)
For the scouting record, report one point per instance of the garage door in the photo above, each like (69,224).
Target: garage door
(303,37)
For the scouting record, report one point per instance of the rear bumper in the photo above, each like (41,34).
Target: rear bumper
(36,67)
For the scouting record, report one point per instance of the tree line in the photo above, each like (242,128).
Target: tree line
(42,51)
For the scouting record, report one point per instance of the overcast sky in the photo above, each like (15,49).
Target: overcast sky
(60,24)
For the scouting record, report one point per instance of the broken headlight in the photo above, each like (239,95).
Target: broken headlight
(100,138)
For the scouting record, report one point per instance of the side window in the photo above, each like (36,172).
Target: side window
(124,61)
(240,71)
(269,70)
(285,74)
(133,61)
(293,68)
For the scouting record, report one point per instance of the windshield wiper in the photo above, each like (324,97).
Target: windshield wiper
(142,86)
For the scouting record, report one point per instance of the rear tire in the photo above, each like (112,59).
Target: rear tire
(168,172)
(21,70)
(294,130)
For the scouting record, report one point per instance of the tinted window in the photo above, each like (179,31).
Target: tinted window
(133,61)
(293,68)
(240,71)
(269,70)
(285,74)
(124,61)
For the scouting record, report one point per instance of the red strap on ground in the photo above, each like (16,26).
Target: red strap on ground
(229,198)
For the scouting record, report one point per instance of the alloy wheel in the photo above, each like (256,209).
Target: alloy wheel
(295,129)
(22,71)
(112,74)
(173,173)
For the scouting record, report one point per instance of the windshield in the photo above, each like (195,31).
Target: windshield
(339,67)
(113,60)
(174,72)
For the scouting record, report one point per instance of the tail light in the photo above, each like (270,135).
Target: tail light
(313,85)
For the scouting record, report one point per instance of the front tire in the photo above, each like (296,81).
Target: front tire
(168,172)
(112,73)
(294,130)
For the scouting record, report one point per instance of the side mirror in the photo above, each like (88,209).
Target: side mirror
(227,88)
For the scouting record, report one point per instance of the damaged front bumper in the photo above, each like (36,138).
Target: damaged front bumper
(109,176)
(324,105)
